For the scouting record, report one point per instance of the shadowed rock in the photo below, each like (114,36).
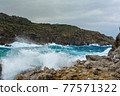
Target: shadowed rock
(0,68)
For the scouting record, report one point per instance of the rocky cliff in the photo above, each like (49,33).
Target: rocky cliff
(14,26)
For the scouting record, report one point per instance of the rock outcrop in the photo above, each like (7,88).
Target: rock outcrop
(0,68)
(13,26)
(94,68)
(115,51)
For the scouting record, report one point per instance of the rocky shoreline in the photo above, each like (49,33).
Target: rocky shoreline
(94,68)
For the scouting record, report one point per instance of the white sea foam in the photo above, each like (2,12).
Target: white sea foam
(19,44)
(2,46)
(27,58)
(23,59)
(94,44)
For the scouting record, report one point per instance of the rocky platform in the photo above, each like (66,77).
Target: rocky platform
(94,68)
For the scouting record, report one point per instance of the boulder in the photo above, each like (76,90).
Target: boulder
(94,57)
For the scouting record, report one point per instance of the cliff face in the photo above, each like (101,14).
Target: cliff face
(12,26)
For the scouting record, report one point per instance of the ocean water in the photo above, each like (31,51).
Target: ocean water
(24,56)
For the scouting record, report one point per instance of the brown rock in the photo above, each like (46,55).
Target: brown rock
(20,77)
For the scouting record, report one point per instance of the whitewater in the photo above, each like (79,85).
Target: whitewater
(22,56)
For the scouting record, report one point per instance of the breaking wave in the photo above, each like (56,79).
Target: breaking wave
(22,56)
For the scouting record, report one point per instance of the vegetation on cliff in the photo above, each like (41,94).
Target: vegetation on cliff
(13,26)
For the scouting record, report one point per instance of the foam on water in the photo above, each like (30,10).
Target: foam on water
(23,56)
(22,44)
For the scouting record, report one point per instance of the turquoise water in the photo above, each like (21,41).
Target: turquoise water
(69,49)
(23,56)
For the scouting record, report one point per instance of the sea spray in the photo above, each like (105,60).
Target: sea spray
(24,56)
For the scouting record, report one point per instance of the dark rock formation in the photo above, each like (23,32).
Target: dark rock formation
(0,68)
(12,27)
